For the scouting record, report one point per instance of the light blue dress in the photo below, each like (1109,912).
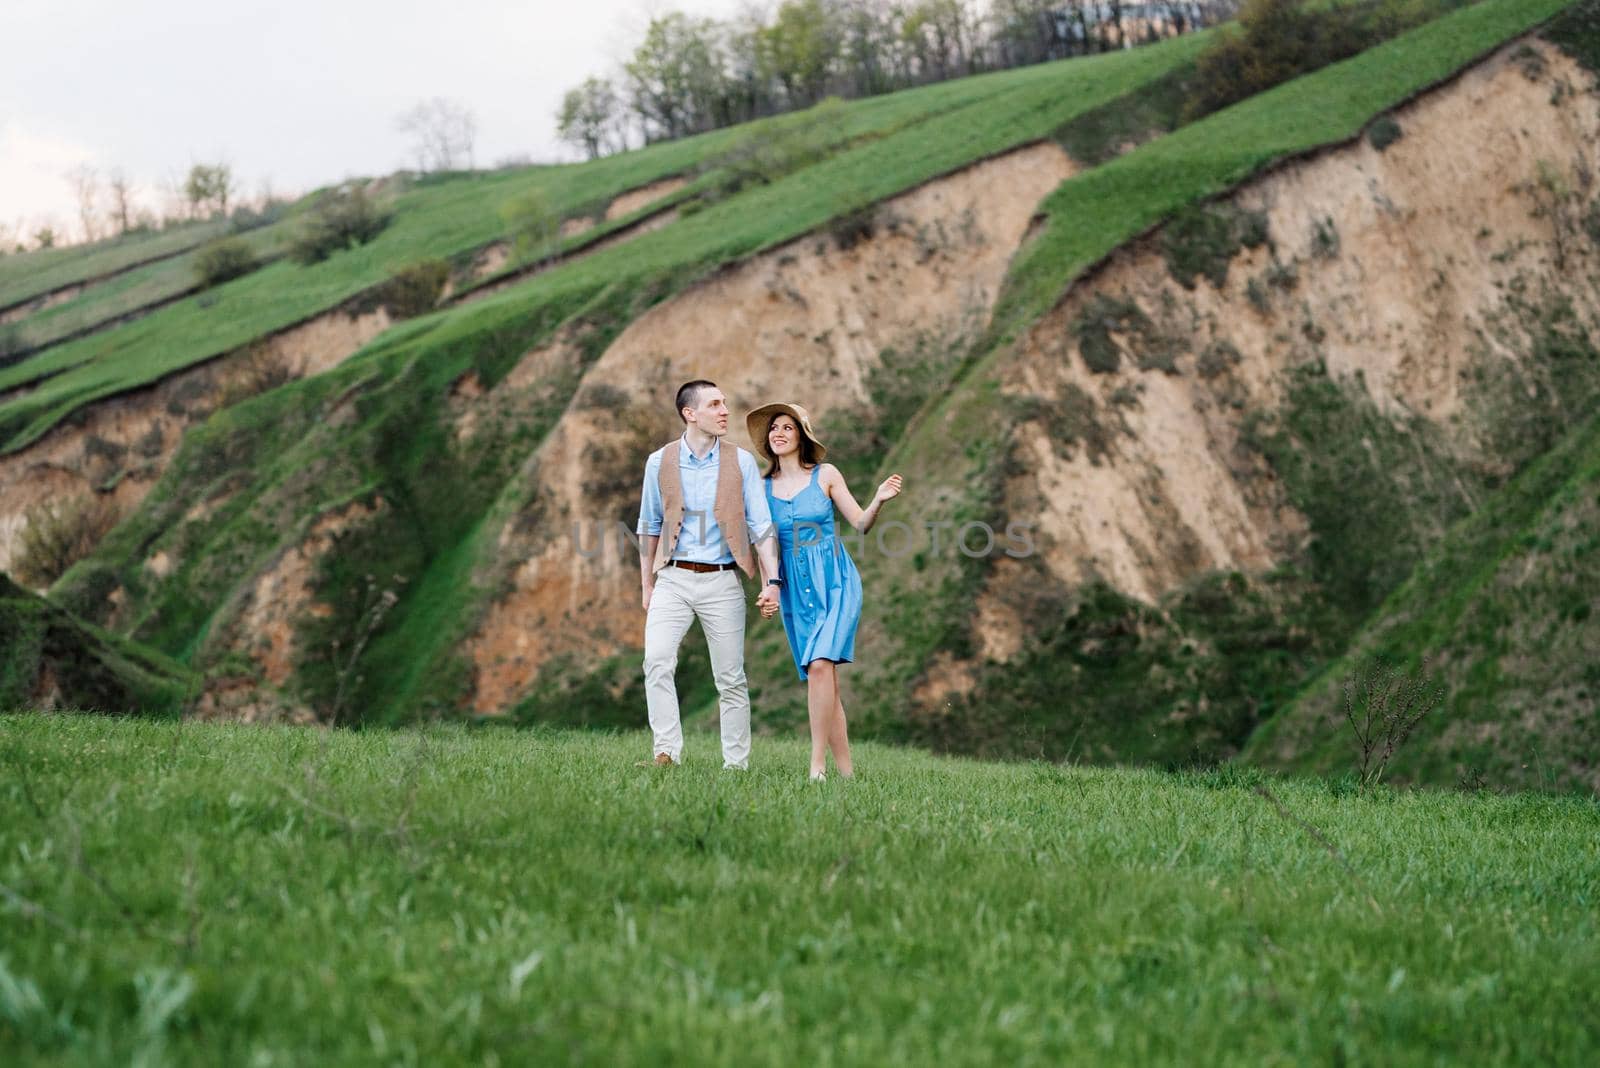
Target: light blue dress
(821,593)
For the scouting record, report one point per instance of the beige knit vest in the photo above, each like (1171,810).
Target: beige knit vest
(728,510)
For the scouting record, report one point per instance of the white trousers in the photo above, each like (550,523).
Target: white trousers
(716,598)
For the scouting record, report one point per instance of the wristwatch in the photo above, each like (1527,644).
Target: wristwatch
(774,582)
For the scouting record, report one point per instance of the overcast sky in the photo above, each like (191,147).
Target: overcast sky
(294,93)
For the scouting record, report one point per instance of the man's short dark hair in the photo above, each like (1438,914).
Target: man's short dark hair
(689,394)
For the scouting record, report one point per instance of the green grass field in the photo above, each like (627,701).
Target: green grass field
(202,894)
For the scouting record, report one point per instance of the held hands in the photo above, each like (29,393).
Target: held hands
(889,490)
(766,600)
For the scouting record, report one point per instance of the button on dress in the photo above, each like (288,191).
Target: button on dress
(820,598)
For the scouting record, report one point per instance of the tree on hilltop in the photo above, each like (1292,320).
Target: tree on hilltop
(85,182)
(209,185)
(442,134)
(799,50)
(588,118)
(121,201)
(674,76)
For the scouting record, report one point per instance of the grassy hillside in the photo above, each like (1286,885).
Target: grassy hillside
(1101,675)
(198,895)
(950,125)
(1508,610)
(436,220)
(281,460)
(1188,679)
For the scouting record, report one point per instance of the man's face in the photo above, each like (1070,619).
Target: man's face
(710,413)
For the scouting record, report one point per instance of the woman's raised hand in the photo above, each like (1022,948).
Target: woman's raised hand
(890,488)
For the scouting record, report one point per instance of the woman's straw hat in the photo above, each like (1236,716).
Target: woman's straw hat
(759,420)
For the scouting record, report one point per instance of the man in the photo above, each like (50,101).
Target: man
(702,509)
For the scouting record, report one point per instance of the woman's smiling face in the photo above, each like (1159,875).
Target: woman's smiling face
(783,437)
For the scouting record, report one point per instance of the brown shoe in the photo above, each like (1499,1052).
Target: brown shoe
(662,760)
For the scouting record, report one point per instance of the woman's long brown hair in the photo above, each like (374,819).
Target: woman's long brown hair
(808,448)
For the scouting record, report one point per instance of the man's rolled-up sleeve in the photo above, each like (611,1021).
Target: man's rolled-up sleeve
(650,512)
(757,516)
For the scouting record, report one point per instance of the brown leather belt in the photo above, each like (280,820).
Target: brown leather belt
(691,565)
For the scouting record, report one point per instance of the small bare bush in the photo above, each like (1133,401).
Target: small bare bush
(376,604)
(1556,198)
(59,534)
(1530,61)
(1382,708)
(852,228)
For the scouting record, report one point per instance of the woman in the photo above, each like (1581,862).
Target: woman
(820,595)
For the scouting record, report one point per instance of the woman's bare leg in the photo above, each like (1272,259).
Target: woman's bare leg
(838,736)
(822,693)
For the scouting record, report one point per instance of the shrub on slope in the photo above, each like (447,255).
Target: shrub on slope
(49,659)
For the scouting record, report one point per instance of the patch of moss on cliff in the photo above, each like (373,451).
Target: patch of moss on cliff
(1529,403)
(1376,490)
(1202,240)
(1095,329)
(1106,678)
(1110,328)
